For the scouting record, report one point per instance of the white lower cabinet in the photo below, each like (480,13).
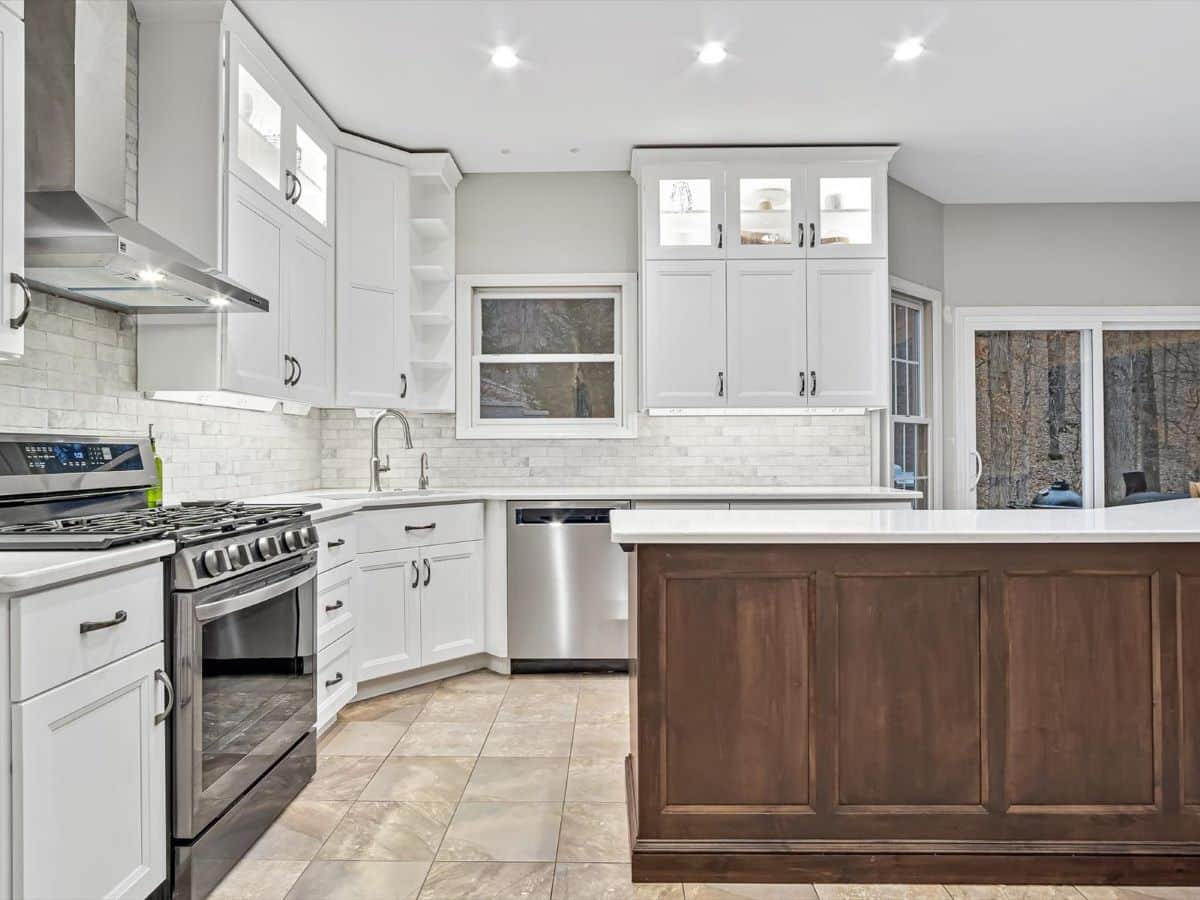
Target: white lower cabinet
(89,785)
(451,601)
(336,681)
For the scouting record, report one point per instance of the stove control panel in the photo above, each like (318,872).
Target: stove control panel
(220,560)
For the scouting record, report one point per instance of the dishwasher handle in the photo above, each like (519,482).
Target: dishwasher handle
(563,516)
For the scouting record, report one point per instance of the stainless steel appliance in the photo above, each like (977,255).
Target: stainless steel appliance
(240,638)
(568,607)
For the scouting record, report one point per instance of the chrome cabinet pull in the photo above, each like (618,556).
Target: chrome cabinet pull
(330,682)
(17,322)
(165,680)
(812,387)
(119,617)
(720,384)
(428,573)
(803,384)
(338,543)
(429,527)
(334,607)
(720,235)
(416,574)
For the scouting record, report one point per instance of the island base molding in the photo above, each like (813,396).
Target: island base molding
(965,713)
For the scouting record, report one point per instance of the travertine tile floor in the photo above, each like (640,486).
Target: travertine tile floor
(483,787)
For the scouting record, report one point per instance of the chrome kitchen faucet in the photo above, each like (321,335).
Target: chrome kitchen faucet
(378,468)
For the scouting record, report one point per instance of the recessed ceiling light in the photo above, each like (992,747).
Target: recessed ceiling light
(504,57)
(711,53)
(504,151)
(908,50)
(574,150)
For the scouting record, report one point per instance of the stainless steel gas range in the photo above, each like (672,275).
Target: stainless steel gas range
(240,636)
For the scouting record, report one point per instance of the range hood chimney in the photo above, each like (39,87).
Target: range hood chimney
(79,242)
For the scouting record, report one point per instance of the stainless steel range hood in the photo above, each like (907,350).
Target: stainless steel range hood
(79,243)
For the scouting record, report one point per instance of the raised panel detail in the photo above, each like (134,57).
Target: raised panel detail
(737,690)
(909,700)
(1081,689)
(1189,667)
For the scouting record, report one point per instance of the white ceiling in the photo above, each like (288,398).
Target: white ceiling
(1013,102)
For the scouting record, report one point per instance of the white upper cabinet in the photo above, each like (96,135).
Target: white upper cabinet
(847,211)
(683,211)
(309,315)
(768,333)
(847,335)
(256,126)
(683,318)
(372,281)
(766,208)
(14,300)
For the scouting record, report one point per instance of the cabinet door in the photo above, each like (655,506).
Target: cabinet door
(847,328)
(256,238)
(848,206)
(372,281)
(451,601)
(765,208)
(89,785)
(683,211)
(257,134)
(684,346)
(310,162)
(767,333)
(388,634)
(308,263)
(12,181)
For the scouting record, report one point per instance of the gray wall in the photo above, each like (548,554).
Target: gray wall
(546,222)
(915,236)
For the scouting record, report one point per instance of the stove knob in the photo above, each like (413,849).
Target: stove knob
(216,562)
(293,540)
(310,536)
(239,555)
(267,547)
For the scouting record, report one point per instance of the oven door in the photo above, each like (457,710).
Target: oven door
(245,664)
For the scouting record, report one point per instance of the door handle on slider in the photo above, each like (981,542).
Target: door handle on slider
(119,617)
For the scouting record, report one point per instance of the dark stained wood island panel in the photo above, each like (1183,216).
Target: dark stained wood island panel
(923,712)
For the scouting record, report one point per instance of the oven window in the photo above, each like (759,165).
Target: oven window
(257,682)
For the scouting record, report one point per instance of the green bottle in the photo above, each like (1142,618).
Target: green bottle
(154,496)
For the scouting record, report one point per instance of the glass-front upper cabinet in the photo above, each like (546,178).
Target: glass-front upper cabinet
(309,180)
(256,129)
(683,212)
(766,206)
(847,211)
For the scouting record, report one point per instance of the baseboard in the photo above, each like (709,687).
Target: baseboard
(389,684)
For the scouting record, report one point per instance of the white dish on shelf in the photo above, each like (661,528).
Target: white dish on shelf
(777,199)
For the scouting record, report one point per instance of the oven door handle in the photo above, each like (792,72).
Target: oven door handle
(206,612)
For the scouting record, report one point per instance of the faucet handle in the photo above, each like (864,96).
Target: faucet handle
(387,466)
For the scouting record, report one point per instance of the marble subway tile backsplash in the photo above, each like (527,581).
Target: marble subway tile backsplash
(784,450)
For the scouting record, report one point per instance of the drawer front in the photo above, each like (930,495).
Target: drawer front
(335,679)
(335,603)
(122,612)
(419,526)
(338,542)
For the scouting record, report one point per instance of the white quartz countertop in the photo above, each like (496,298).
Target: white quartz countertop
(22,571)
(340,502)
(1170,521)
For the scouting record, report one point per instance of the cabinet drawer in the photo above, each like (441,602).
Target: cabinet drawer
(419,526)
(338,542)
(335,679)
(335,603)
(48,646)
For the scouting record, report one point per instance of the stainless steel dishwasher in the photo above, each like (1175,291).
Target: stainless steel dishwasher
(568,607)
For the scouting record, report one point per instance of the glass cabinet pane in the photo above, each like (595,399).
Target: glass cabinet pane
(845,210)
(312,171)
(685,212)
(259,127)
(765,211)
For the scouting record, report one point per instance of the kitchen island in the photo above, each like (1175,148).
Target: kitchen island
(910,696)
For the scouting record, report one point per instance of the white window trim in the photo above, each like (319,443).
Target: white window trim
(932,388)
(624,423)
(1091,322)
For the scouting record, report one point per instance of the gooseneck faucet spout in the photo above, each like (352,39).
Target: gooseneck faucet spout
(377,467)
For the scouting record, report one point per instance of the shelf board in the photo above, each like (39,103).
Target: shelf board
(827,211)
(431,365)
(431,319)
(431,273)
(432,229)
